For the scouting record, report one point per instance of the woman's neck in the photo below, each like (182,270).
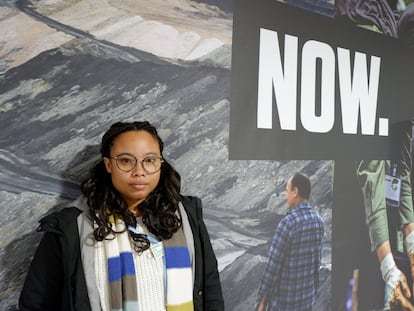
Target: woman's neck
(136,211)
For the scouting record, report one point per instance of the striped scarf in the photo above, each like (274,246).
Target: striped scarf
(122,275)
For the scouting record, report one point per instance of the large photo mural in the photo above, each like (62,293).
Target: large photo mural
(70,69)
(374,259)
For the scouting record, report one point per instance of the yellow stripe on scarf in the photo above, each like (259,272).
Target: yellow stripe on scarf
(188,306)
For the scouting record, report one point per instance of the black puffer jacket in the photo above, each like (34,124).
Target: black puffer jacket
(56,279)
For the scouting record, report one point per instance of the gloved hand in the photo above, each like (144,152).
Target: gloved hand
(400,302)
(396,287)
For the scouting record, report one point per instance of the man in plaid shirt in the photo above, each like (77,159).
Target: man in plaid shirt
(291,276)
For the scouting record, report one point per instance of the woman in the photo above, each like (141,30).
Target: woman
(131,242)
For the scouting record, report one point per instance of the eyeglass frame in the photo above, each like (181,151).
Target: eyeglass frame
(136,162)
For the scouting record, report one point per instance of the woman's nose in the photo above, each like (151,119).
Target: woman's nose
(138,170)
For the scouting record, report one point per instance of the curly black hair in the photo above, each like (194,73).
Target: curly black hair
(159,208)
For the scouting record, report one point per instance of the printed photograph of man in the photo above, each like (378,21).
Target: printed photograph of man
(291,276)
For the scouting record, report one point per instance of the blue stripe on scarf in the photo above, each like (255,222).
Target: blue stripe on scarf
(177,257)
(119,266)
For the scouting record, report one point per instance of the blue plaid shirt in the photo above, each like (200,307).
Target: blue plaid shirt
(291,276)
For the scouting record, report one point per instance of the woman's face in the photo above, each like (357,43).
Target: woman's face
(134,186)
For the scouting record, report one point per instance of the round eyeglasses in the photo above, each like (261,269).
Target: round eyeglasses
(126,162)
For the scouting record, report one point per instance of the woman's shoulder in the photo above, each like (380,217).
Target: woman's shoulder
(192,206)
(62,219)
(59,220)
(190,200)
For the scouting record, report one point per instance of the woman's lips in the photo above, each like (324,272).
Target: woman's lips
(139,186)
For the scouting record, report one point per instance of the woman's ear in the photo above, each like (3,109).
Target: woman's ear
(108,165)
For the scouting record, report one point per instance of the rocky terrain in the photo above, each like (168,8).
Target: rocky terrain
(69,69)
